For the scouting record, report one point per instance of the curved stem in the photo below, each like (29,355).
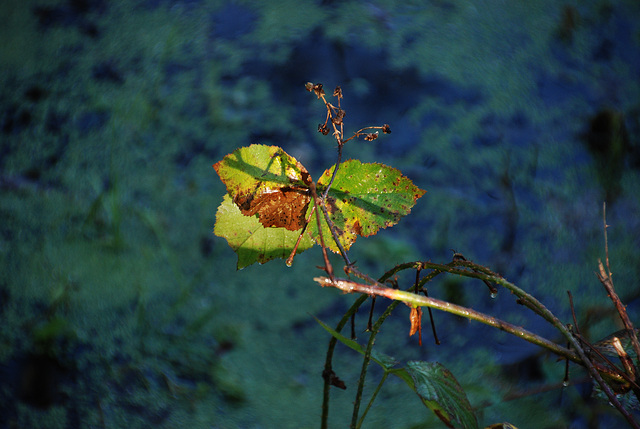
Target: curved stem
(373,397)
(329,358)
(367,360)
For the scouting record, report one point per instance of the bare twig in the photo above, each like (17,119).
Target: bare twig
(327,265)
(418,300)
(605,277)
(607,281)
(289,260)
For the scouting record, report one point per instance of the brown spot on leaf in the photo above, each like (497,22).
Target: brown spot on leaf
(357,228)
(284,207)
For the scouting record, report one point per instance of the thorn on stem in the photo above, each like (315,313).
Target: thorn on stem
(333,379)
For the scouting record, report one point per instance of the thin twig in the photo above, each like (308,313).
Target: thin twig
(334,234)
(367,360)
(606,279)
(592,348)
(329,359)
(289,260)
(426,293)
(606,240)
(335,172)
(327,265)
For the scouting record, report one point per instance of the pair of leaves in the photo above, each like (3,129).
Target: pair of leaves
(269,200)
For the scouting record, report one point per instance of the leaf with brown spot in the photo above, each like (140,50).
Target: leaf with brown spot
(281,208)
(267,203)
(251,241)
(267,182)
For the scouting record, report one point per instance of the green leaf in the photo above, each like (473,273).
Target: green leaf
(364,198)
(440,391)
(251,240)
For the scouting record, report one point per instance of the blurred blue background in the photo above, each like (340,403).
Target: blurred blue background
(120,308)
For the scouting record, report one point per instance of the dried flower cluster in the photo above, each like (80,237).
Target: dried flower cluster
(335,116)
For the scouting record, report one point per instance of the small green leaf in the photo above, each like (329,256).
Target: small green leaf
(440,391)
(251,240)
(364,198)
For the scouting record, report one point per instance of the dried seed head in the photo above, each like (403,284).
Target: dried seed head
(317,89)
(337,92)
(371,136)
(337,119)
(322,128)
(386,129)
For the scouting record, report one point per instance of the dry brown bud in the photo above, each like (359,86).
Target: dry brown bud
(337,119)
(371,136)
(322,128)
(317,88)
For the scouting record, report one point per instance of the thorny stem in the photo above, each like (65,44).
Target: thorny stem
(373,397)
(334,233)
(328,361)
(415,300)
(367,360)
(606,279)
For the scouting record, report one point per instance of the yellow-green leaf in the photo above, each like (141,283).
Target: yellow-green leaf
(251,240)
(363,198)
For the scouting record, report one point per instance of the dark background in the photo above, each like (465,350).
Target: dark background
(120,308)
